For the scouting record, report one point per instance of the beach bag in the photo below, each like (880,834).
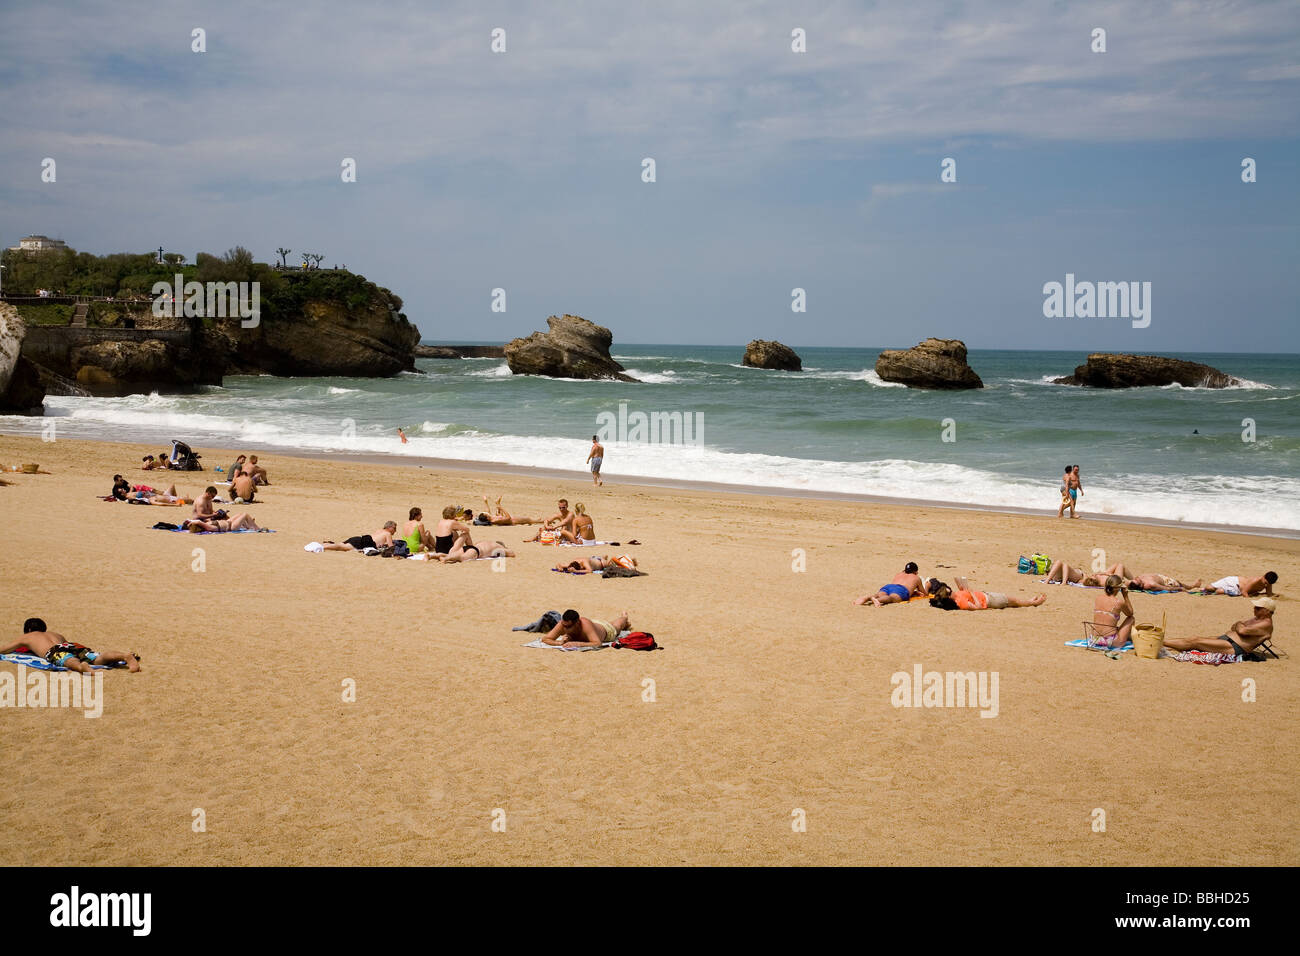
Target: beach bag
(1148,639)
(638,641)
(401,549)
(547,537)
(1025,565)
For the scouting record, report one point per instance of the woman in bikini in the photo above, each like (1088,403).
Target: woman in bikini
(497,549)
(597,563)
(965,598)
(240,522)
(1066,574)
(1112,614)
(583,528)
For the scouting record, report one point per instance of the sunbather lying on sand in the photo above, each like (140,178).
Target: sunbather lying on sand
(966,599)
(359,542)
(1158,582)
(577,631)
(1237,585)
(59,651)
(240,522)
(1062,572)
(1242,638)
(903,587)
(598,563)
(496,515)
(472,552)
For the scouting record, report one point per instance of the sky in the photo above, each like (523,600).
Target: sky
(774,169)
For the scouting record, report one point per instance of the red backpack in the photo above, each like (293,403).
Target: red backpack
(638,641)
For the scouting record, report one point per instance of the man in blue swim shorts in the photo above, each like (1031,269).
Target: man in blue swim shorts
(904,587)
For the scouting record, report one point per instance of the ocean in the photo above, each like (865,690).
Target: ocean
(1173,453)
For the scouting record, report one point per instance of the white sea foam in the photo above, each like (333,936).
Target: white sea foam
(496,371)
(1202,498)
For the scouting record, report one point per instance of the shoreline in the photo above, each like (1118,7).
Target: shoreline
(648,483)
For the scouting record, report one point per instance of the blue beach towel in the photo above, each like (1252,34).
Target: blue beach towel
(1080,642)
(240,531)
(41,664)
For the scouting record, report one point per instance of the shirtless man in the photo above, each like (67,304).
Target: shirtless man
(1242,638)
(594,459)
(359,542)
(1238,585)
(905,585)
(574,630)
(1068,499)
(60,652)
(203,509)
(243,486)
(561,519)
(256,471)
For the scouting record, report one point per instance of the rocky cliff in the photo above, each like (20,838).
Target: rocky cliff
(21,391)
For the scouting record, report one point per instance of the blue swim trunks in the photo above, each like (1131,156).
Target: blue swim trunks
(595,464)
(897,590)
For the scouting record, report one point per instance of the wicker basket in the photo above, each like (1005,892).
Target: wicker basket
(31,469)
(1148,639)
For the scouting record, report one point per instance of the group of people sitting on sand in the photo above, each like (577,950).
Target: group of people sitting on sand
(908,584)
(450,542)
(569,527)
(245,475)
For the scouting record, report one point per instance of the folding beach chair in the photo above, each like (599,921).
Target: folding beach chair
(1091,634)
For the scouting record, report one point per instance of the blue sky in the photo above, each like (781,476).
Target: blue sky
(775,170)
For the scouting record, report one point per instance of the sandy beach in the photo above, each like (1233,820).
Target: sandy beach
(772,694)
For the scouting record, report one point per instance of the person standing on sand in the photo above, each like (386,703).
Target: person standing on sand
(595,457)
(1067,499)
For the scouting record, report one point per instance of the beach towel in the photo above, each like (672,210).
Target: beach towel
(556,647)
(1098,587)
(619,572)
(1080,642)
(1212,658)
(41,664)
(568,571)
(587,544)
(542,624)
(240,531)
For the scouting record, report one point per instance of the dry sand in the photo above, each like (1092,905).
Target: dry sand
(773,692)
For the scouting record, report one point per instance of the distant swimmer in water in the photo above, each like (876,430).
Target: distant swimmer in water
(402,435)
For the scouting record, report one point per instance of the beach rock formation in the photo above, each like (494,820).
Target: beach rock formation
(460,351)
(573,348)
(21,391)
(341,324)
(934,363)
(1111,370)
(762,353)
(146,365)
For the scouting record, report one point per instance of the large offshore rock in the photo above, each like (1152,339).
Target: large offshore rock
(573,348)
(934,363)
(762,353)
(1111,370)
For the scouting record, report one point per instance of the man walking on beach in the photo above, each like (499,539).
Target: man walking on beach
(1071,488)
(595,457)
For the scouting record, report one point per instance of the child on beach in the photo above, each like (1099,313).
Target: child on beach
(60,652)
